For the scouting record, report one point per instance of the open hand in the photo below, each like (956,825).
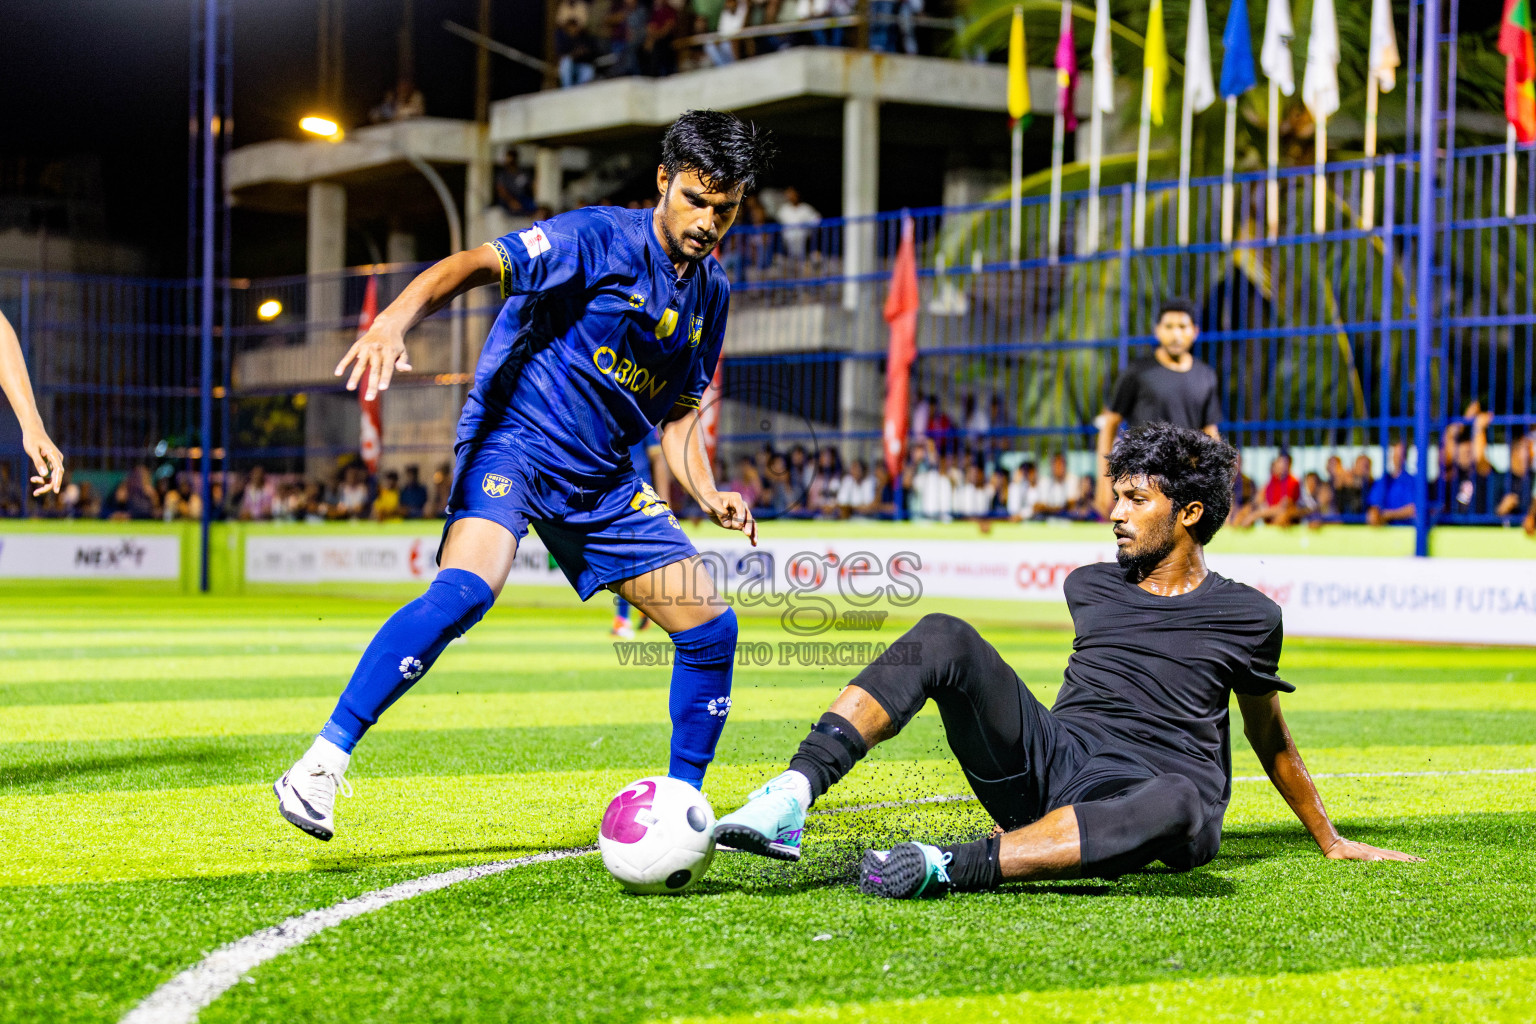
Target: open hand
(46,458)
(1344,849)
(378,354)
(729,510)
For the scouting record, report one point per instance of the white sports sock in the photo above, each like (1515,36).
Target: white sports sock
(329,754)
(797,784)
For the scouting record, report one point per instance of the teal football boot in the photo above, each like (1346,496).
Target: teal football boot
(769,824)
(908,871)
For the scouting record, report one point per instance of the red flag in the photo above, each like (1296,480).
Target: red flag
(1515,43)
(901,306)
(709,410)
(371,435)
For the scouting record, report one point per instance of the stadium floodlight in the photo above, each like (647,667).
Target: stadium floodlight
(324,127)
(269,310)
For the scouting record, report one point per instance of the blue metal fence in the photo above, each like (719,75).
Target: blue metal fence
(1328,342)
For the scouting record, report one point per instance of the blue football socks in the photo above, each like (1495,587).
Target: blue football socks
(406,646)
(701,695)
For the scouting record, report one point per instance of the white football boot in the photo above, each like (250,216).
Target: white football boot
(306,794)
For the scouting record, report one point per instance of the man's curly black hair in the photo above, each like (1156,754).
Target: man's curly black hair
(1186,465)
(721,148)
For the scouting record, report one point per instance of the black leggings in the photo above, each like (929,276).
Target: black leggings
(1022,762)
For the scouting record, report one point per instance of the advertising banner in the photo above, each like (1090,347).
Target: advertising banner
(89,556)
(1433,600)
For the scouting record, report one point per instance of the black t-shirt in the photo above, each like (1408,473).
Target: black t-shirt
(1149,392)
(1152,675)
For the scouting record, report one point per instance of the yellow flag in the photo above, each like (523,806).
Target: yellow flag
(1018,72)
(1156,57)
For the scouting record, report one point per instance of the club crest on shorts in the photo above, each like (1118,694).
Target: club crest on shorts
(495,485)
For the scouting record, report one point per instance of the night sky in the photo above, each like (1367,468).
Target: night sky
(110,78)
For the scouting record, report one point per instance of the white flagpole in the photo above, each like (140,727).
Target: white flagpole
(1272,185)
(1058,143)
(1368,199)
(1319,183)
(1228,160)
(1095,156)
(1510,169)
(1016,201)
(1143,140)
(1186,127)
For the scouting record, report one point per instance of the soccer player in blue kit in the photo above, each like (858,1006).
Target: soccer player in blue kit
(613,325)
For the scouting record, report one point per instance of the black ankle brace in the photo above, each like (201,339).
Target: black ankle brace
(828,752)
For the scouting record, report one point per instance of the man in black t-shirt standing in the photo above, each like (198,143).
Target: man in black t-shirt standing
(1133,763)
(1169,386)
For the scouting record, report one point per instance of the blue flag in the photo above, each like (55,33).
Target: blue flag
(1237,75)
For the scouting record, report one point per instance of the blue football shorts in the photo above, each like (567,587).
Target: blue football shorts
(600,530)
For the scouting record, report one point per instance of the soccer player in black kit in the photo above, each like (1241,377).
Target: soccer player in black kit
(1133,763)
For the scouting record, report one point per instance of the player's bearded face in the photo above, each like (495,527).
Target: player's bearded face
(693,217)
(1145,525)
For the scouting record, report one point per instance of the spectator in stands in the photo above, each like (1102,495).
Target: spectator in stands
(922,410)
(1348,495)
(10,496)
(184,501)
(1055,493)
(800,471)
(1517,487)
(1279,503)
(941,429)
(352,496)
(733,18)
(575,52)
(799,219)
(661,31)
(1021,491)
(386,504)
(882,26)
(626,22)
(514,186)
(822,498)
(973,497)
(288,506)
(856,491)
(1317,504)
(256,498)
(442,486)
(1365,475)
(906,19)
(413,496)
(143,502)
(746,481)
(1390,499)
(933,491)
(779,491)
(976,421)
(1466,476)
(313,508)
(1171,386)
(690,53)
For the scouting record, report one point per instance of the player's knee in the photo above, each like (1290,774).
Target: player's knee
(461,597)
(945,638)
(710,642)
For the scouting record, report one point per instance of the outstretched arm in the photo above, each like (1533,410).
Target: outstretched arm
(381,351)
(682,443)
(45,455)
(1266,730)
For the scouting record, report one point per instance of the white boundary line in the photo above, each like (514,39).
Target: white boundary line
(181,999)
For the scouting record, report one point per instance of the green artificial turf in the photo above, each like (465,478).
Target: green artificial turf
(139,736)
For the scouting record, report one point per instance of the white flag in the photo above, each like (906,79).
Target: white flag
(1199,85)
(1320,83)
(1275,56)
(1384,60)
(1103,61)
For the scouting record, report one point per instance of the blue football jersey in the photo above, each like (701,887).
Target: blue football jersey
(597,341)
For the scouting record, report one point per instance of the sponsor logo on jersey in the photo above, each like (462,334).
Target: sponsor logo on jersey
(667,325)
(636,300)
(495,485)
(627,372)
(535,241)
(696,331)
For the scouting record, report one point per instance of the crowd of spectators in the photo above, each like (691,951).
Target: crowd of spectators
(662,37)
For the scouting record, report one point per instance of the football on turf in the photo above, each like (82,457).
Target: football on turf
(657,836)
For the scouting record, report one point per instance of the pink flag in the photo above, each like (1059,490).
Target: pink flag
(1066,70)
(371,435)
(901,307)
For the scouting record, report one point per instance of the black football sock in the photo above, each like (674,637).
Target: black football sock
(828,752)
(974,867)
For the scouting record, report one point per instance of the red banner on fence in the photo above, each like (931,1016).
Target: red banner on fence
(371,433)
(901,307)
